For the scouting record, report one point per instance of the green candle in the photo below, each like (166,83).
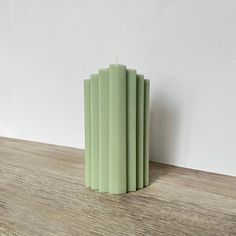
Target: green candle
(117,129)
(146,131)
(94,131)
(140,126)
(103,91)
(131,129)
(116,106)
(87,133)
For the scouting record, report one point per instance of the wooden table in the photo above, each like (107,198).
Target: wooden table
(42,193)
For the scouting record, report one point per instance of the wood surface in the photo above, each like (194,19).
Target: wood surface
(42,193)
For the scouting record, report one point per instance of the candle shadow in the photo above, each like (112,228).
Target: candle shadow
(163,134)
(168,136)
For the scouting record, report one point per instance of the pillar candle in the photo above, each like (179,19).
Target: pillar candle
(146,131)
(94,131)
(131,129)
(87,133)
(103,91)
(117,129)
(140,128)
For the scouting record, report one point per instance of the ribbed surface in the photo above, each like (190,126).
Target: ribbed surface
(117,161)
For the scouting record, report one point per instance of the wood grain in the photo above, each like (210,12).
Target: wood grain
(42,193)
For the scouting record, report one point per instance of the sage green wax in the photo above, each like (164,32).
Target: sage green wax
(94,132)
(146,131)
(87,133)
(117,129)
(131,129)
(140,129)
(103,91)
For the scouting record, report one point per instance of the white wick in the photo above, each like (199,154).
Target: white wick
(116,59)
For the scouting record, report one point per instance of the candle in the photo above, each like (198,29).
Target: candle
(146,131)
(131,128)
(103,91)
(140,126)
(116,110)
(87,133)
(117,129)
(94,131)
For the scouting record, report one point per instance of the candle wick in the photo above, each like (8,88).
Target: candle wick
(116,59)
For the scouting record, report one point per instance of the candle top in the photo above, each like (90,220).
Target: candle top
(118,65)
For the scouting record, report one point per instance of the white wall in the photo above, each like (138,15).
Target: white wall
(187,49)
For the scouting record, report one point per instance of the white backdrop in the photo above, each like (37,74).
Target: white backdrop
(186,48)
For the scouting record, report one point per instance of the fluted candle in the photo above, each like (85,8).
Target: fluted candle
(116,130)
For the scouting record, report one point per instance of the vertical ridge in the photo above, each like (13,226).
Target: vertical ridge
(117,130)
(146,130)
(103,87)
(140,127)
(94,132)
(131,129)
